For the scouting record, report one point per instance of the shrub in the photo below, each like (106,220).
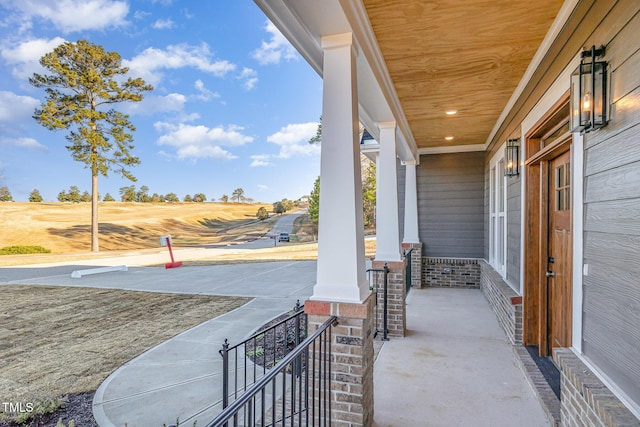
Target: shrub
(23,250)
(39,408)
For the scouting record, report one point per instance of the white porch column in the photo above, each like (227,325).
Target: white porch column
(341,266)
(387,229)
(411,234)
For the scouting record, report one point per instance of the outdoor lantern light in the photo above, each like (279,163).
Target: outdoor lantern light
(589,92)
(511,167)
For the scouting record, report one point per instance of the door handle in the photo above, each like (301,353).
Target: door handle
(550,274)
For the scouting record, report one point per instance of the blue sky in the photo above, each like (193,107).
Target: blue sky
(233,103)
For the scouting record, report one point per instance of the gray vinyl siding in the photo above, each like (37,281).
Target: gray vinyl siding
(451,204)
(611,290)
(487,200)
(514,223)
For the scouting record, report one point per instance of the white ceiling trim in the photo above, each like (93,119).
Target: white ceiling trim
(378,100)
(452,149)
(291,27)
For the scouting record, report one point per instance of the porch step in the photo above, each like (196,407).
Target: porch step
(542,385)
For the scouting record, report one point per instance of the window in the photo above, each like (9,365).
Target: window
(563,187)
(497,214)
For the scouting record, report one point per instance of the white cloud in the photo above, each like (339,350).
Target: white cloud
(262,187)
(28,143)
(199,141)
(260,160)
(250,78)
(74,15)
(140,14)
(15,110)
(163,24)
(152,104)
(204,93)
(25,56)
(149,63)
(277,48)
(293,140)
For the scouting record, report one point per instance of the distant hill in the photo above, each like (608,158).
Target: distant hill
(65,227)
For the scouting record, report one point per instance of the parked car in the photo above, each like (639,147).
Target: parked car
(283,237)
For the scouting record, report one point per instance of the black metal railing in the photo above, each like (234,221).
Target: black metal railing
(245,363)
(295,392)
(379,285)
(407,275)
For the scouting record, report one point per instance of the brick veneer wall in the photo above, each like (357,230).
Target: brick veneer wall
(584,399)
(396,294)
(450,273)
(506,303)
(351,359)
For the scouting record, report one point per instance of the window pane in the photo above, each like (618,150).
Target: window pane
(500,192)
(492,204)
(500,243)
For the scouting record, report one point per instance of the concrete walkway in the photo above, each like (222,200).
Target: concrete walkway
(180,377)
(455,368)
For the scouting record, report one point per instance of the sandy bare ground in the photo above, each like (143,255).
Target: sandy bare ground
(65,227)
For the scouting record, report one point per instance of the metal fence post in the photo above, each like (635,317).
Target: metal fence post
(408,275)
(297,364)
(224,352)
(384,313)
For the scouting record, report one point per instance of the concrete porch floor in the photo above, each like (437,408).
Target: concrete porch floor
(455,367)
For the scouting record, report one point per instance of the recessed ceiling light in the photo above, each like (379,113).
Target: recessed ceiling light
(448,138)
(451,112)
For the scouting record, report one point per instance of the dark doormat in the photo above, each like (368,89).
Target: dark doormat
(547,368)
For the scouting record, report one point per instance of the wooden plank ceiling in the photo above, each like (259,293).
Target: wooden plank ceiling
(462,55)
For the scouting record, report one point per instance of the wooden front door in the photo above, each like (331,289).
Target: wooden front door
(558,275)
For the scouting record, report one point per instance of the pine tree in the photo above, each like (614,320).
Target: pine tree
(83,84)
(5,195)
(35,196)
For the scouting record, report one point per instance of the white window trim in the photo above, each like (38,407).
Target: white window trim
(496,177)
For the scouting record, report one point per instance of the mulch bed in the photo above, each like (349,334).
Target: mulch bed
(76,407)
(276,343)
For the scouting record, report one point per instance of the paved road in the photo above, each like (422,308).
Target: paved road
(132,259)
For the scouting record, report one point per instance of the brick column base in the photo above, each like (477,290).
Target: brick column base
(396,294)
(351,359)
(416,263)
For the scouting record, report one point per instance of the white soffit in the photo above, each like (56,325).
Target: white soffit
(304,22)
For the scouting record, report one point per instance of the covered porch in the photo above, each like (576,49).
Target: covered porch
(451,92)
(454,367)
(432,83)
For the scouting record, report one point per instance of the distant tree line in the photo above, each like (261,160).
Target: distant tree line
(132,194)
(284,205)
(237,196)
(368,196)
(127,194)
(279,207)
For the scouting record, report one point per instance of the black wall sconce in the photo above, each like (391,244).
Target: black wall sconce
(589,92)
(511,157)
